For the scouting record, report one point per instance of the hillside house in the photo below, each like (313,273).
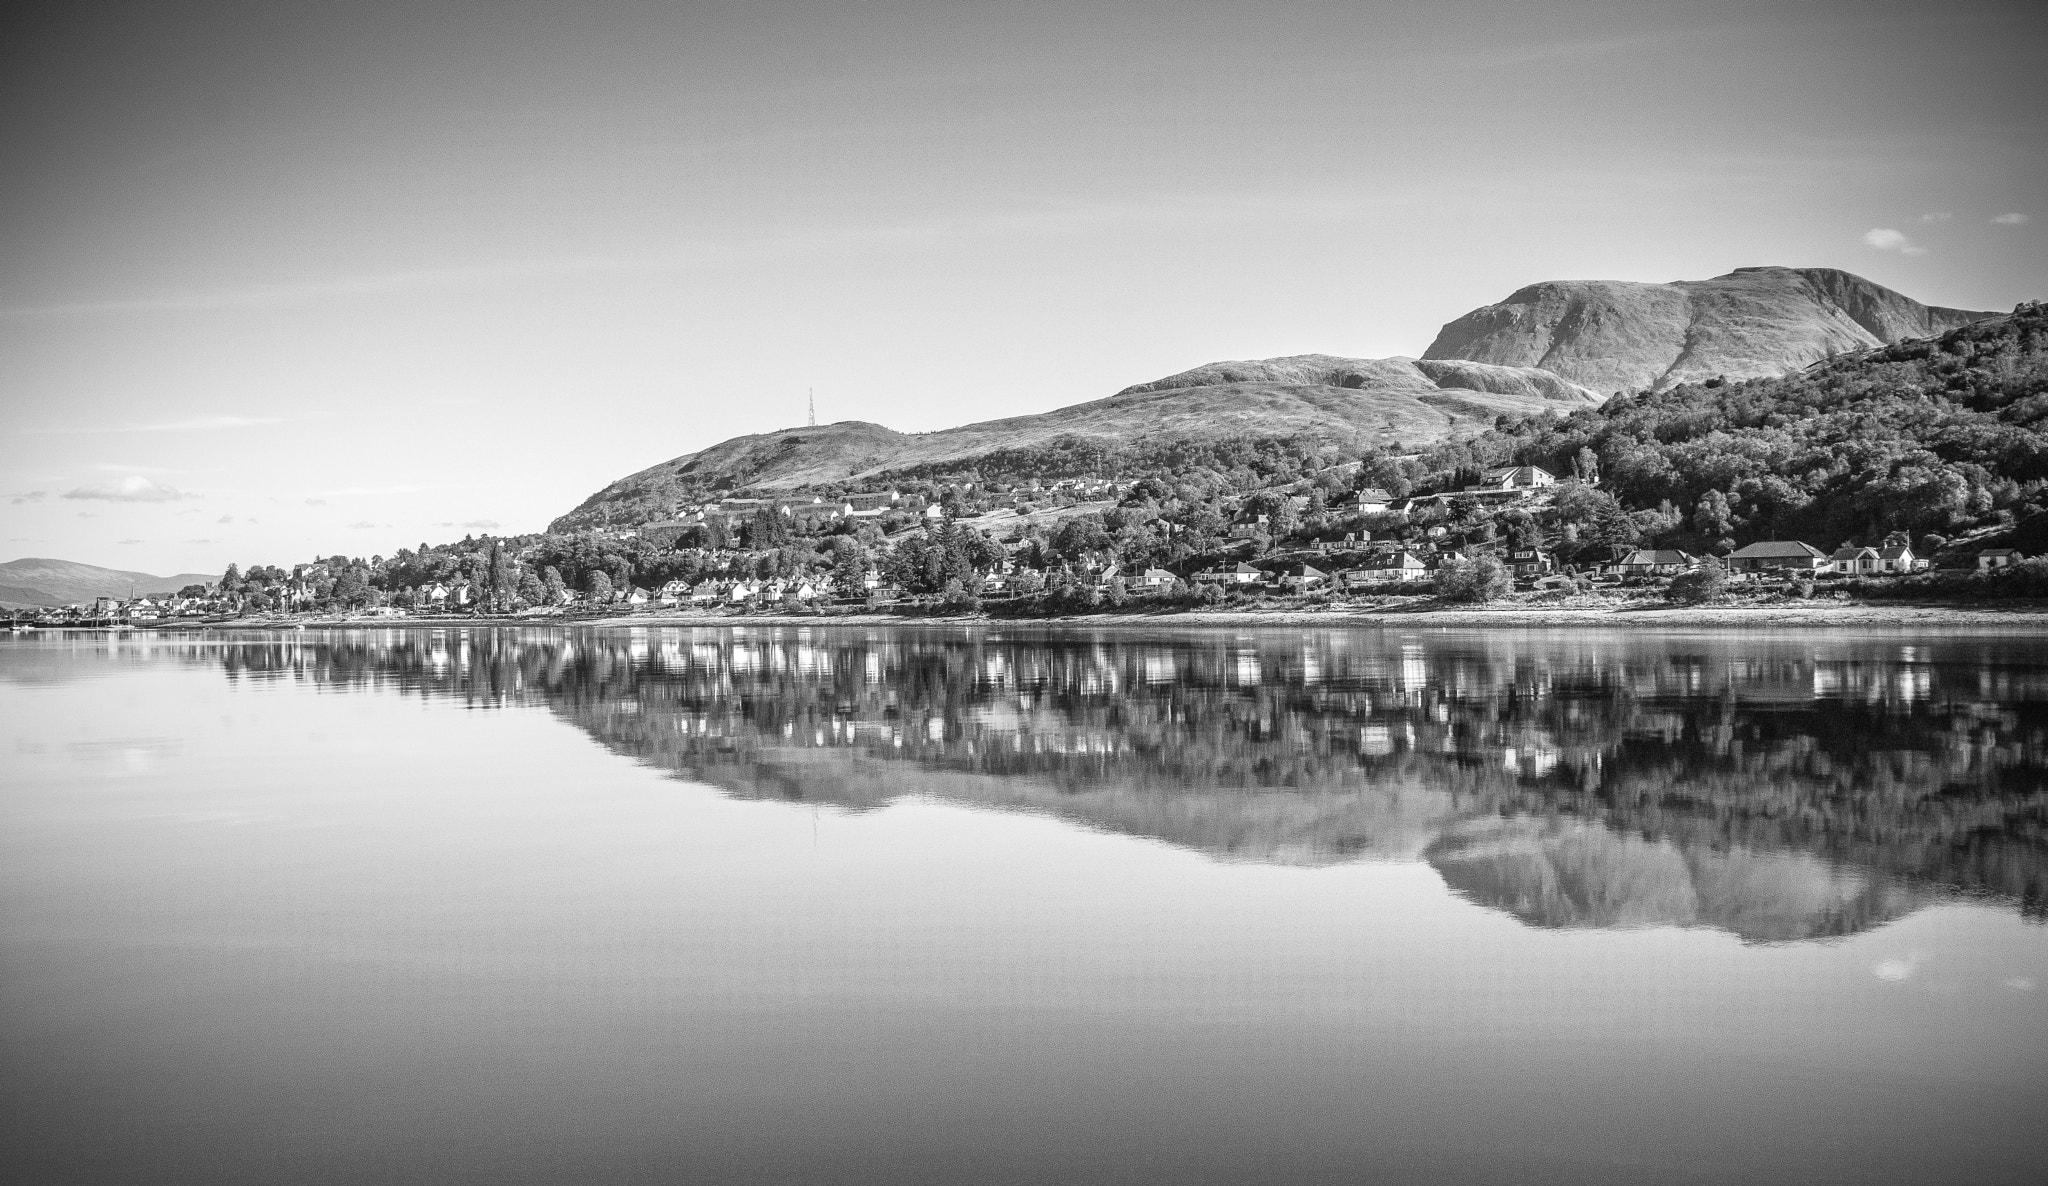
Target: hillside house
(1786,556)
(1531,562)
(1898,559)
(1154,580)
(1517,479)
(1393,566)
(1996,558)
(1236,576)
(1849,560)
(1308,579)
(1661,562)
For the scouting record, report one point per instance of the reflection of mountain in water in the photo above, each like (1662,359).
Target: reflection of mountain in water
(1777,788)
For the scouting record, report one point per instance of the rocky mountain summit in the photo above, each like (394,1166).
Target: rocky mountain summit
(1613,335)
(1392,401)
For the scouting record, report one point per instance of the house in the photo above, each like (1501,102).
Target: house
(1514,479)
(740,591)
(1644,562)
(705,592)
(637,596)
(1308,578)
(1369,500)
(1352,541)
(1898,558)
(1154,580)
(673,592)
(1392,566)
(436,595)
(1779,556)
(1531,562)
(1850,560)
(1236,575)
(1991,558)
(872,501)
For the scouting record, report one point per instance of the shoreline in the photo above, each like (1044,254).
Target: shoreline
(2029,616)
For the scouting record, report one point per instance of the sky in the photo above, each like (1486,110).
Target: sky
(284,281)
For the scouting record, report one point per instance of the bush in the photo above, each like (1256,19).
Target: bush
(1701,585)
(1479,579)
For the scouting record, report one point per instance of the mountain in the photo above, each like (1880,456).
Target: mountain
(39,581)
(1404,400)
(1613,335)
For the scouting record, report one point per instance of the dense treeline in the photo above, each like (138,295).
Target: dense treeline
(1934,437)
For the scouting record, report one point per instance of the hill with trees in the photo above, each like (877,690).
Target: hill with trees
(1936,436)
(1395,401)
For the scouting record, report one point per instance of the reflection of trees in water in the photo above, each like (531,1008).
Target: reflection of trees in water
(1780,787)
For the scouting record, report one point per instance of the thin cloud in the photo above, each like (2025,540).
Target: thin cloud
(200,424)
(133,488)
(1051,218)
(358,491)
(225,519)
(316,502)
(2013,219)
(126,542)
(1937,216)
(198,541)
(1886,239)
(480,524)
(30,496)
(362,525)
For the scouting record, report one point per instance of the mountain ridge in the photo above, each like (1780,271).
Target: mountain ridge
(1410,400)
(42,580)
(1621,335)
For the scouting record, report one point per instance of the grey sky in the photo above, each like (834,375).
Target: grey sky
(470,261)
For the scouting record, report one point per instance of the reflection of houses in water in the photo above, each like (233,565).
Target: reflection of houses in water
(1920,765)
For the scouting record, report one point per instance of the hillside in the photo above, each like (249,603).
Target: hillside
(40,581)
(1392,401)
(1616,336)
(1941,437)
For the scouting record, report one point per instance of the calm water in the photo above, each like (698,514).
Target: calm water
(1004,905)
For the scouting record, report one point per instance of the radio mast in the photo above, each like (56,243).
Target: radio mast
(814,406)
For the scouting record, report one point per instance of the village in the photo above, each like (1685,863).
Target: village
(1070,545)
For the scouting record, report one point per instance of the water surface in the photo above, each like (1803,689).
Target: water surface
(950,904)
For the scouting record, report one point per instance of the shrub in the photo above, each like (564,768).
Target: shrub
(1480,579)
(1701,585)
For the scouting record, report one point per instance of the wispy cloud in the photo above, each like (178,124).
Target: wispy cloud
(1897,968)
(198,424)
(30,496)
(1054,218)
(358,491)
(126,542)
(362,525)
(480,524)
(133,488)
(1886,239)
(225,519)
(2013,219)
(198,541)
(1937,216)
(316,502)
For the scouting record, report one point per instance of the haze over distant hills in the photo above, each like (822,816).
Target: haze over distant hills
(1555,345)
(1393,401)
(1614,335)
(39,581)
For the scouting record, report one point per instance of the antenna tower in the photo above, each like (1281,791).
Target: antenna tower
(814,406)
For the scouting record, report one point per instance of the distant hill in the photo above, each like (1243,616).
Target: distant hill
(1751,323)
(1398,401)
(40,581)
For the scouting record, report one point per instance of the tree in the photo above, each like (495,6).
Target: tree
(231,580)
(600,587)
(1700,585)
(551,584)
(1481,579)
